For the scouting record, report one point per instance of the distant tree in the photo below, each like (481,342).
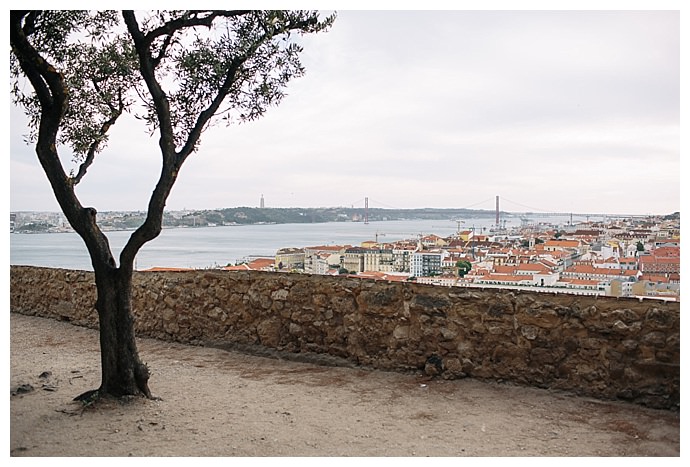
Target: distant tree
(463,266)
(35,227)
(640,246)
(213,217)
(185,70)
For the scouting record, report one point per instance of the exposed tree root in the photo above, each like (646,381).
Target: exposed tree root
(89,397)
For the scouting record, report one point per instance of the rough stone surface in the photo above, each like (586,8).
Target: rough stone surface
(602,347)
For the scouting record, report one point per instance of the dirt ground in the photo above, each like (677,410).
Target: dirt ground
(220,403)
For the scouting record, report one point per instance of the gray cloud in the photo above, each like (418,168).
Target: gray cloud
(566,110)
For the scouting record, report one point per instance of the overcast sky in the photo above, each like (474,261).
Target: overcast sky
(568,111)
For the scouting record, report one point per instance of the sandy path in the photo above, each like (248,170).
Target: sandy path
(220,403)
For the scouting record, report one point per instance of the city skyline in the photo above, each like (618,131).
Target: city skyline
(563,111)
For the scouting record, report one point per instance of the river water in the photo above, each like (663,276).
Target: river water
(208,247)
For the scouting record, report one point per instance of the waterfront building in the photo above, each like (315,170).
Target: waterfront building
(320,259)
(290,259)
(257,264)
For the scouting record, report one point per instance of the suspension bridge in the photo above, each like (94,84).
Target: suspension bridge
(496,207)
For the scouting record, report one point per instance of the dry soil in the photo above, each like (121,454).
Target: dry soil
(215,402)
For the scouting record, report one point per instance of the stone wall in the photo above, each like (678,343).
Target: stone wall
(602,347)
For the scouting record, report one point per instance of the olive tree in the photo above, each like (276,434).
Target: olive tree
(75,73)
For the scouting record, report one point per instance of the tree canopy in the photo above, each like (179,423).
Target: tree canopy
(178,71)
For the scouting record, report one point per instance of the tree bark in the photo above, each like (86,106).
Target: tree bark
(123,373)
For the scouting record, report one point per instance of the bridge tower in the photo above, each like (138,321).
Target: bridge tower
(366,210)
(497,214)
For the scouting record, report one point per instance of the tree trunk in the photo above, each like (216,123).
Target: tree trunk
(123,373)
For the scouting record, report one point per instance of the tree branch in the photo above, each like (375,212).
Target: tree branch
(161,53)
(45,80)
(93,147)
(147,68)
(215,104)
(175,25)
(152,225)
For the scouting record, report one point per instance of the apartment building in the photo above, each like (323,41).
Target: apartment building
(319,259)
(600,274)
(653,264)
(401,257)
(290,258)
(377,259)
(425,263)
(353,260)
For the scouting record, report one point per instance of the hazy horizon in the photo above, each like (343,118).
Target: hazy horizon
(483,210)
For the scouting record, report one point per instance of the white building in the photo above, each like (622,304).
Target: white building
(425,263)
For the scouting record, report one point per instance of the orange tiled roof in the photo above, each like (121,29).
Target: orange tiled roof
(327,247)
(646,259)
(256,265)
(667,251)
(164,269)
(536,267)
(505,270)
(563,243)
(654,278)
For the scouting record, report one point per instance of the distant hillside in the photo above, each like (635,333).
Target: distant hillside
(248,215)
